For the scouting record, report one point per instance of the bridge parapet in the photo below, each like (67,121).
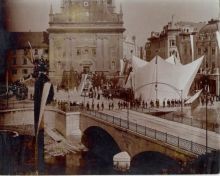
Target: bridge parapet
(167,139)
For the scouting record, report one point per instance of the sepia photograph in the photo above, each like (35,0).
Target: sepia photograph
(109,87)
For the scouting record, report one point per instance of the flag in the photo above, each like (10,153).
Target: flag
(32,60)
(43,94)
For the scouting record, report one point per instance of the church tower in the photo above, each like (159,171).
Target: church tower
(87,35)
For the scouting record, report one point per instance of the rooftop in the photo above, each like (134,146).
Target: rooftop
(21,39)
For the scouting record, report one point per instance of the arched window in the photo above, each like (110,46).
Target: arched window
(24,61)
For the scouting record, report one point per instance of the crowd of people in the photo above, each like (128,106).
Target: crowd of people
(210,99)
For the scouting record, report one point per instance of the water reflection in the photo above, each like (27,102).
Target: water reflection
(16,152)
(17,157)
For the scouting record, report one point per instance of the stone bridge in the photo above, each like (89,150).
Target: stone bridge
(129,136)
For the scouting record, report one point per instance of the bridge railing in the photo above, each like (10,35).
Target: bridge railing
(172,140)
(16,105)
(182,119)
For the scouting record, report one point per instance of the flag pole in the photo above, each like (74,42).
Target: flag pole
(31,51)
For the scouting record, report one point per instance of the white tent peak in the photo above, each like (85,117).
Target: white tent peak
(173,80)
(137,62)
(173,60)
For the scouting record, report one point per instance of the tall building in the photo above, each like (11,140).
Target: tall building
(165,43)
(19,54)
(86,36)
(129,47)
(207,45)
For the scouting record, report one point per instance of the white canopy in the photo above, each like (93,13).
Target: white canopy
(173,80)
(137,63)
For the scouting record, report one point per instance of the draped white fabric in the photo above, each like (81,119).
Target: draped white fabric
(218,38)
(173,80)
(194,97)
(137,63)
(122,66)
(192,46)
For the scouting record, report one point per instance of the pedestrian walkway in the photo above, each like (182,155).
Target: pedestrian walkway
(173,128)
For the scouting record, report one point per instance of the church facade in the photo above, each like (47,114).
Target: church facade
(86,36)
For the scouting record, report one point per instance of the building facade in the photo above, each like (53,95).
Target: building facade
(129,47)
(179,40)
(166,43)
(19,55)
(86,36)
(206,44)
(163,43)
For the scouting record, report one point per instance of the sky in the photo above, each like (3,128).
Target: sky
(141,17)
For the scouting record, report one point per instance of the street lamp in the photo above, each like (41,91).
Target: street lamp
(206,84)
(128,96)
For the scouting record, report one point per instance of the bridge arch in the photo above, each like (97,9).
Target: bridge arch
(131,142)
(100,143)
(152,162)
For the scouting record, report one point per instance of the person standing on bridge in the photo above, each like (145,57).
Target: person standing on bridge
(112,105)
(98,107)
(119,105)
(87,106)
(93,106)
(102,106)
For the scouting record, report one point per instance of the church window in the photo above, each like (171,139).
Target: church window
(185,50)
(78,52)
(172,43)
(14,72)
(24,61)
(25,52)
(213,51)
(109,1)
(86,51)
(14,61)
(199,51)
(36,52)
(24,71)
(94,51)
(86,4)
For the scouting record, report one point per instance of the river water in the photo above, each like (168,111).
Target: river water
(17,157)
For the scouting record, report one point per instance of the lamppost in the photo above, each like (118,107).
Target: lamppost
(178,91)
(206,85)
(128,105)
(206,110)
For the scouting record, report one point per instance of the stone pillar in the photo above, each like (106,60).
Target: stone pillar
(73,126)
(106,57)
(121,161)
(99,57)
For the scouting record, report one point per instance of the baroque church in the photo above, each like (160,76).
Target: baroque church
(86,36)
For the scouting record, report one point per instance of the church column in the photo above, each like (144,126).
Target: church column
(106,60)
(72,52)
(67,53)
(99,57)
(51,57)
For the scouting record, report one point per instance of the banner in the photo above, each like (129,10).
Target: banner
(45,94)
(192,46)
(218,38)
